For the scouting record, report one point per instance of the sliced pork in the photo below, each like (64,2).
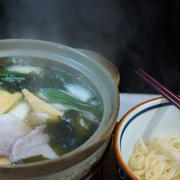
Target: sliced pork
(33,144)
(11,128)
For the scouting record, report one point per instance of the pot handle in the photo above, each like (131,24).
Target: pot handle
(111,68)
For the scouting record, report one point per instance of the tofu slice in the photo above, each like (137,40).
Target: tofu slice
(8,100)
(79,91)
(24,69)
(41,106)
(21,110)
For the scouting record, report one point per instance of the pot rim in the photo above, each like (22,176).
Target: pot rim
(86,148)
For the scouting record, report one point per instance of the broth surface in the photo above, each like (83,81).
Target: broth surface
(47,111)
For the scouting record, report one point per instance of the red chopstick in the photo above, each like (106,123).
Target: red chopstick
(167,93)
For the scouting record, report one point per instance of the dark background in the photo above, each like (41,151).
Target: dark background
(132,34)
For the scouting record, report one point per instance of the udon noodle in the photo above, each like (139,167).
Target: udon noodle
(157,159)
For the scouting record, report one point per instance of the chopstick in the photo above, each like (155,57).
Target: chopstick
(167,93)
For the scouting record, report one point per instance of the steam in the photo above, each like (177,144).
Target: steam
(95,25)
(130,34)
(32,19)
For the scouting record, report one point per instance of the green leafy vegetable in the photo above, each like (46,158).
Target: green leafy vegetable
(4,72)
(75,118)
(10,76)
(64,136)
(11,79)
(14,81)
(64,98)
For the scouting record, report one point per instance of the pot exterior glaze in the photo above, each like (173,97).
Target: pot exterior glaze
(77,171)
(105,78)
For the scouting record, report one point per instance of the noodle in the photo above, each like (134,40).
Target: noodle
(157,159)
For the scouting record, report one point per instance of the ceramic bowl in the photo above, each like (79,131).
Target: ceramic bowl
(150,119)
(105,78)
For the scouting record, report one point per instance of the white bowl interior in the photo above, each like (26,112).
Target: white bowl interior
(152,119)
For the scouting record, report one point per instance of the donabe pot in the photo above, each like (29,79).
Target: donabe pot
(103,75)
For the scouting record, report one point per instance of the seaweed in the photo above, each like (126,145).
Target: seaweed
(68,134)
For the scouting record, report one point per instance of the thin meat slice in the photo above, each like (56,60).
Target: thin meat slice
(11,128)
(33,144)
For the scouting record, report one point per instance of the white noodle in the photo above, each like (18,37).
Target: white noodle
(157,159)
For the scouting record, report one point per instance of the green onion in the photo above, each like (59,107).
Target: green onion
(13,79)
(64,98)
(10,76)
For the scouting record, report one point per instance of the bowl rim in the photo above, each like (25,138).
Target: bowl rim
(116,136)
(89,148)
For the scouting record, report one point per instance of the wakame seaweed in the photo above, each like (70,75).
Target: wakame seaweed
(67,133)
(62,137)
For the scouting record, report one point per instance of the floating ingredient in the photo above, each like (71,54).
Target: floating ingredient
(60,96)
(11,128)
(24,69)
(10,76)
(4,160)
(41,106)
(62,137)
(80,124)
(33,144)
(8,100)
(79,91)
(20,110)
(35,119)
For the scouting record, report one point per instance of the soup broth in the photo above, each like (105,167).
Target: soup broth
(45,111)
